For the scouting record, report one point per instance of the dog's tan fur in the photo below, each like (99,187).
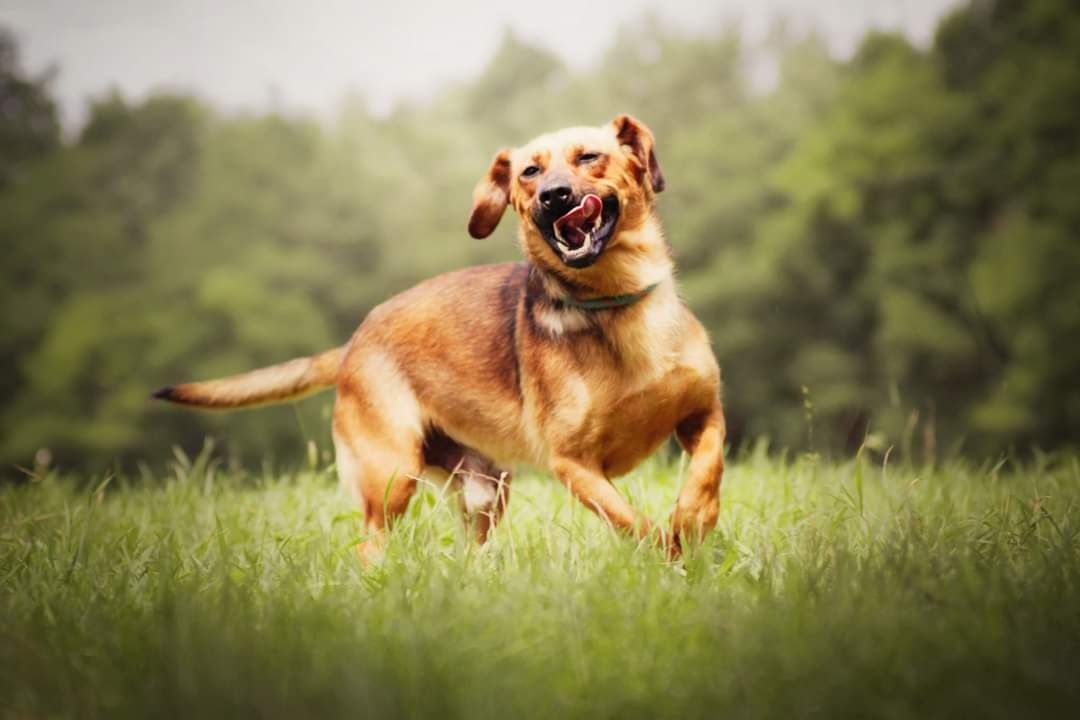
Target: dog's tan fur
(480,368)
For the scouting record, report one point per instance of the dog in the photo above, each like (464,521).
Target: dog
(581,359)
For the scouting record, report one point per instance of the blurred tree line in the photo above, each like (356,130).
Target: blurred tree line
(886,246)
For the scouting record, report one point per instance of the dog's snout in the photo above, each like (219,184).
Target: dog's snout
(556,197)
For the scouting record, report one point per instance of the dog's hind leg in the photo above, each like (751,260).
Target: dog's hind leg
(483,488)
(485,492)
(379,447)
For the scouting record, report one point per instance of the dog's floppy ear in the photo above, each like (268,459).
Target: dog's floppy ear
(490,197)
(635,135)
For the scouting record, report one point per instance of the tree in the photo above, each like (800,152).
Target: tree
(29,127)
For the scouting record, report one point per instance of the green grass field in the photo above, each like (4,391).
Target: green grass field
(829,590)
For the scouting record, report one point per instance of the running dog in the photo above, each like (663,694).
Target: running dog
(581,359)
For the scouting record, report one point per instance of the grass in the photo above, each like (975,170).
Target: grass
(829,590)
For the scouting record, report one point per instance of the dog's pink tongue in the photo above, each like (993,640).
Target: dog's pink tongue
(570,225)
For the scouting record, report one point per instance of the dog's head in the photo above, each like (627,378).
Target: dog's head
(575,190)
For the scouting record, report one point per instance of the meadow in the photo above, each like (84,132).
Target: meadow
(858,588)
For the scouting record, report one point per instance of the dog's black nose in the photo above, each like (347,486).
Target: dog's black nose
(556,198)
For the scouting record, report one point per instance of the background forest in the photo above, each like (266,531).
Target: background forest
(884,249)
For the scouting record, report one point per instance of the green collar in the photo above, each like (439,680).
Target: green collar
(606,303)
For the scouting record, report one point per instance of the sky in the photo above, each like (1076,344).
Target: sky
(309,56)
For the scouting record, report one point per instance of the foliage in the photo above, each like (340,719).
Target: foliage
(29,127)
(883,247)
(853,589)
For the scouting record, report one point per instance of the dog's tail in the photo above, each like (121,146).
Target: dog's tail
(277,383)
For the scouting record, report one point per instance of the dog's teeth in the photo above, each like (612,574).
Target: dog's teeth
(583,249)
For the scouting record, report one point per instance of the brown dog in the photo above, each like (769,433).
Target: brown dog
(581,359)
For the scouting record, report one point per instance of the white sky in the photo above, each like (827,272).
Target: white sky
(252,54)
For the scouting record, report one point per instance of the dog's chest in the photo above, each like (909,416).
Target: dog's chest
(617,419)
(636,422)
(612,401)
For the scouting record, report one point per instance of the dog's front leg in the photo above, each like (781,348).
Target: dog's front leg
(589,485)
(702,435)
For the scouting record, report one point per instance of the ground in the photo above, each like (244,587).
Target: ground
(831,589)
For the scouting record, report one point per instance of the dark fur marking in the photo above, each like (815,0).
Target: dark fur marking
(689,431)
(534,292)
(509,294)
(441,450)
(166,393)
(500,171)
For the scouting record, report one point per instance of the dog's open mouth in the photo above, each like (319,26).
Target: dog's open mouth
(579,236)
(575,230)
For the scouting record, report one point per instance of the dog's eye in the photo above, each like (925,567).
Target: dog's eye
(530,171)
(586,158)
